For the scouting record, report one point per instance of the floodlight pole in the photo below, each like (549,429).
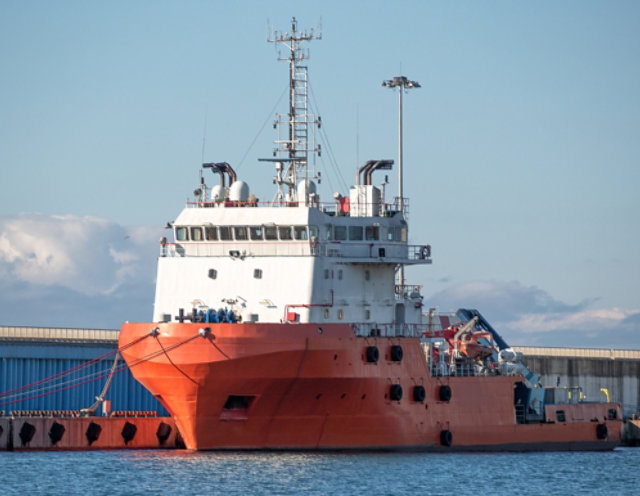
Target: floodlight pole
(402,83)
(400,176)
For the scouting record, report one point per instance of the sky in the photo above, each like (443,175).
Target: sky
(521,148)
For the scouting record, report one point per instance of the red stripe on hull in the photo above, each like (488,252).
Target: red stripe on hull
(274,386)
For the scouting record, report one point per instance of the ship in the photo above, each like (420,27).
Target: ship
(289,325)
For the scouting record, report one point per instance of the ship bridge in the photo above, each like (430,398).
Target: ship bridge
(263,231)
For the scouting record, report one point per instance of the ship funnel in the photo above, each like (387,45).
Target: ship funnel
(367,170)
(222,168)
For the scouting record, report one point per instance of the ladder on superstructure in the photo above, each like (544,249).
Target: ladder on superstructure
(294,149)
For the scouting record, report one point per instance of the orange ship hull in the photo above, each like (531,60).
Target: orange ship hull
(308,386)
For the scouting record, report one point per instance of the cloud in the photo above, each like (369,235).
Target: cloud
(75,271)
(529,316)
(89,255)
(509,299)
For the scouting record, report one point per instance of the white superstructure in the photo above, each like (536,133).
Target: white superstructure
(295,259)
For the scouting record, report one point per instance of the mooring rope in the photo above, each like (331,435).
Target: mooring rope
(47,386)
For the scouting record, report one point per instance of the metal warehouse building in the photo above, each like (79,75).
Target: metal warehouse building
(54,369)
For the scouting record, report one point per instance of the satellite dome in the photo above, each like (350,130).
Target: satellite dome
(304,188)
(217,193)
(239,192)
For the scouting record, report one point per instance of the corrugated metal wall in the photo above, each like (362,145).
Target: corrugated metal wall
(55,376)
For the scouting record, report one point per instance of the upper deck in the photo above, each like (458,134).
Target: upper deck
(241,229)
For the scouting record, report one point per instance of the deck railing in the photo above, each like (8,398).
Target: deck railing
(374,250)
(333,209)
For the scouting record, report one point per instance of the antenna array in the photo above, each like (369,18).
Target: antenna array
(296,143)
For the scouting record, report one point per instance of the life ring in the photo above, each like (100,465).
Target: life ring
(445,393)
(395,392)
(601,431)
(446,438)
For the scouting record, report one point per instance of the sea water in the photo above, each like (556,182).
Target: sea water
(183,472)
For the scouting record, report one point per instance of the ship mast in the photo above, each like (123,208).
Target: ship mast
(294,149)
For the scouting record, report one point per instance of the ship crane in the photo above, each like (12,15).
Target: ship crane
(510,363)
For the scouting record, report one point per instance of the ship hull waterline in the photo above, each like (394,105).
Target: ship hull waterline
(311,387)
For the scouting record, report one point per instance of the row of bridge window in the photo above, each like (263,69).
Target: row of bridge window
(289,233)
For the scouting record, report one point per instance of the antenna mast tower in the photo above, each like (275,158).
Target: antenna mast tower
(295,147)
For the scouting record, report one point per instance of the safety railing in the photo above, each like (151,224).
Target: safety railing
(334,209)
(386,330)
(58,334)
(397,252)
(604,353)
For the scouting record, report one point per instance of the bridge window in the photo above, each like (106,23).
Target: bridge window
(340,233)
(300,232)
(196,234)
(355,233)
(255,232)
(213,273)
(397,233)
(225,233)
(211,233)
(182,234)
(329,236)
(285,233)
(257,273)
(240,233)
(270,233)
(372,233)
(313,232)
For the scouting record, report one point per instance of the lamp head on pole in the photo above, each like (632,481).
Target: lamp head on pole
(400,81)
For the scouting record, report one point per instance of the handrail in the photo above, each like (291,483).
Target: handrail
(330,208)
(352,250)
(25,333)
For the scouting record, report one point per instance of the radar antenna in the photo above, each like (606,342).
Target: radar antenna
(293,149)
